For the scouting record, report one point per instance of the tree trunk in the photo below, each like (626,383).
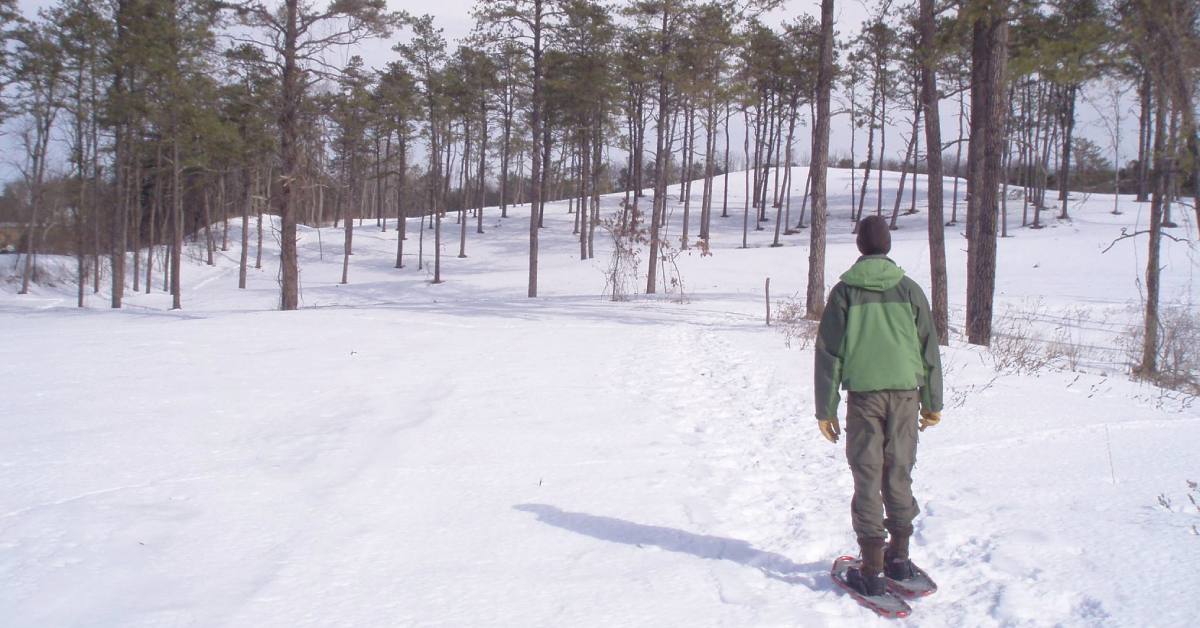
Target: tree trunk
(759,120)
(80,246)
(725,189)
(933,138)
(483,141)
(208,236)
(866,180)
(853,89)
(804,199)
(505,150)
(436,193)
(421,235)
(660,155)
(779,148)
(882,151)
(43,122)
(544,183)
(224,209)
(685,185)
(466,189)
(380,219)
(710,132)
(1162,165)
(988,69)
(746,172)
(1144,136)
(401,210)
(597,140)
(815,296)
(263,204)
(289,127)
(155,209)
(909,156)
(177,224)
(1068,133)
(585,159)
(348,223)
(248,184)
(125,191)
(118,228)
(792,112)
(962,112)
(773,122)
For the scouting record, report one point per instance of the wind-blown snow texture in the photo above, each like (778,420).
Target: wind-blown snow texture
(405,454)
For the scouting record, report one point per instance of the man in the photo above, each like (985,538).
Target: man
(876,339)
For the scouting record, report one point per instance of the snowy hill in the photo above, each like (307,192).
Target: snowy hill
(399,453)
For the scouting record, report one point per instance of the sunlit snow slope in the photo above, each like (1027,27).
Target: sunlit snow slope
(399,453)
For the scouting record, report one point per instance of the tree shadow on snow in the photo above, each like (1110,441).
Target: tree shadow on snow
(772,565)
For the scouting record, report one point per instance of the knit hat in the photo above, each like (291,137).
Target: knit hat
(874,236)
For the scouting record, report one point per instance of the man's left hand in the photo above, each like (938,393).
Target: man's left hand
(929,419)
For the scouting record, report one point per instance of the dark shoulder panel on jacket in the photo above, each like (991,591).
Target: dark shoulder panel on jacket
(910,286)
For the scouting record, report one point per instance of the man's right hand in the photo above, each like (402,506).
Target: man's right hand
(929,419)
(830,429)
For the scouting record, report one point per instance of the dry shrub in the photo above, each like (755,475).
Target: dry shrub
(788,319)
(1193,495)
(672,277)
(48,270)
(1028,338)
(1017,346)
(1067,345)
(1178,349)
(621,275)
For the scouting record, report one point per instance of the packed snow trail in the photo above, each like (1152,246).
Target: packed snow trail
(401,454)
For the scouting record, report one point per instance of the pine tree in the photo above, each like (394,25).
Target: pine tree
(245,103)
(40,89)
(426,56)
(527,23)
(295,34)
(79,29)
(350,110)
(396,93)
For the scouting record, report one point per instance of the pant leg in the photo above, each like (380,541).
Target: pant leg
(899,457)
(865,435)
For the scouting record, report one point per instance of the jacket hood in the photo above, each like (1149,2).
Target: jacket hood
(873,272)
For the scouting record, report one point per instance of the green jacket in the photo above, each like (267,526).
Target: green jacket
(876,334)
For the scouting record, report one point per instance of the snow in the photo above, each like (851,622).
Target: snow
(405,454)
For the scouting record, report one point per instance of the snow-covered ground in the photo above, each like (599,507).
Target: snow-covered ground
(405,454)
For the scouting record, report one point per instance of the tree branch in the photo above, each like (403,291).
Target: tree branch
(1125,235)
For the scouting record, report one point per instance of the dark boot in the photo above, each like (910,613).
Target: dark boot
(868,579)
(897,565)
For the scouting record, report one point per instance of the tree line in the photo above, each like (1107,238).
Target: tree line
(180,116)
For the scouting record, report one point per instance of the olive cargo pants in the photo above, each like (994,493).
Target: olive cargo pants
(881,447)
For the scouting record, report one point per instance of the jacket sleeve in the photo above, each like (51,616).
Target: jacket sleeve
(828,368)
(931,385)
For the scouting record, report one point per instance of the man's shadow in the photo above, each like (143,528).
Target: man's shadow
(772,565)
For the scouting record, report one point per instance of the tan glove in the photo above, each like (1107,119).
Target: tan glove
(830,429)
(929,419)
